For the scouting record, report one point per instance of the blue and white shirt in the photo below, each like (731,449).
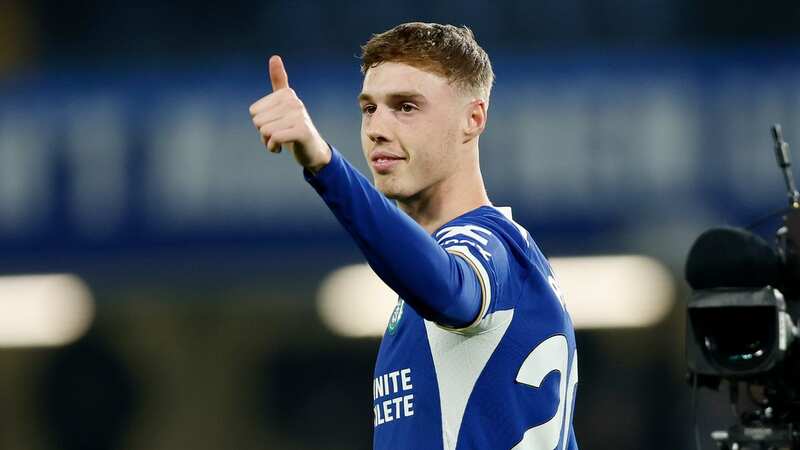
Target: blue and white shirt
(479,352)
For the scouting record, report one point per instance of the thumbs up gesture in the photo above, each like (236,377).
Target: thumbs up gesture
(282,120)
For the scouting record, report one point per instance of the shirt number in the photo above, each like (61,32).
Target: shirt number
(551,355)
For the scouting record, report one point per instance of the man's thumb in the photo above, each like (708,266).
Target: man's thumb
(277,74)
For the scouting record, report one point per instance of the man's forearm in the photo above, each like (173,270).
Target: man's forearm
(440,286)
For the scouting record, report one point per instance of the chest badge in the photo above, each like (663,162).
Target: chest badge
(397,315)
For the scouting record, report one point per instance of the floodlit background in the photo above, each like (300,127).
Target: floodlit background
(167,284)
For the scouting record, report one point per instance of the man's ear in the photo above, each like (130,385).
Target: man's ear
(476,115)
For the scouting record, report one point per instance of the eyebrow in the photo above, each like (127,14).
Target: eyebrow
(394,96)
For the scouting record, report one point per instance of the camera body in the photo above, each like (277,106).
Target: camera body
(741,323)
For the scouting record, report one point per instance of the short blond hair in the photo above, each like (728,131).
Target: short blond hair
(445,50)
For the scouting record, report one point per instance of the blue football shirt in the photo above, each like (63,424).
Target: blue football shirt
(508,379)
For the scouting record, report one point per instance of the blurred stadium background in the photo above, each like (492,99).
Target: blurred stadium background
(195,306)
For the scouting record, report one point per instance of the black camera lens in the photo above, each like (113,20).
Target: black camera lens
(738,339)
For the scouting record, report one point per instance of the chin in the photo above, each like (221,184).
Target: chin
(390,193)
(390,189)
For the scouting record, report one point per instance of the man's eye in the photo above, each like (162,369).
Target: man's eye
(407,107)
(368,109)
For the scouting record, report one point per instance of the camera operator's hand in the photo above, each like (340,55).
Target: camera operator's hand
(282,120)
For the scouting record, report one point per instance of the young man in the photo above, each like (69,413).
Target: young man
(479,352)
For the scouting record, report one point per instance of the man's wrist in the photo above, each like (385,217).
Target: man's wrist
(325,158)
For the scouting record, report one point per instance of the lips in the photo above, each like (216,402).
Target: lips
(383,162)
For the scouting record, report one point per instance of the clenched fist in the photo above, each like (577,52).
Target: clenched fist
(282,120)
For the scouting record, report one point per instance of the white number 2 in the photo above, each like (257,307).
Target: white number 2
(551,355)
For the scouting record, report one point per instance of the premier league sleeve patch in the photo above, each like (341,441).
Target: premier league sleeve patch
(397,316)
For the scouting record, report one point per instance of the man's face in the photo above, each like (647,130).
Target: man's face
(410,128)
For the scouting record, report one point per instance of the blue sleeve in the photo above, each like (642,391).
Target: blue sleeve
(442,286)
(479,243)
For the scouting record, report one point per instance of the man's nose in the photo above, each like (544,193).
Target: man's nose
(376,127)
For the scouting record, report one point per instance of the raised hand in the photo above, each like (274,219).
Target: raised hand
(282,120)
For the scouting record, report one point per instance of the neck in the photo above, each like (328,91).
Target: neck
(444,201)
